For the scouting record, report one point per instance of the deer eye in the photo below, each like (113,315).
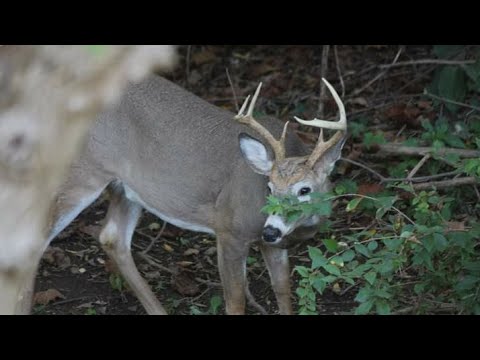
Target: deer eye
(304,191)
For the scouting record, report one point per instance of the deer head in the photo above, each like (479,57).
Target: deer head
(297,176)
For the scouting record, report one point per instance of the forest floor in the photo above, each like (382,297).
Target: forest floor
(76,277)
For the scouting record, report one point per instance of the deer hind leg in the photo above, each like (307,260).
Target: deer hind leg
(71,200)
(116,238)
(277,263)
(232,261)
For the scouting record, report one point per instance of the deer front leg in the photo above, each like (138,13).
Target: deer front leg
(232,262)
(279,270)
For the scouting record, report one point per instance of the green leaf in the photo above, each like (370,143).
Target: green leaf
(301,292)
(332,269)
(451,85)
(371,276)
(468,283)
(382,307)
(330,244)
(362,249)
(364,308)
(348,255)
(440,241)
(323,208)
(194,310)
(473,266)
(317,257)
(319,284)
(372,245)
(352,204)
(337,260)
(348,280)
(302,271)
(215,303)
(364,294)
(447,51)
(346,186)
(393,244)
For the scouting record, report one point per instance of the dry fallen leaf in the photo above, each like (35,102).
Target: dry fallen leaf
(154,226)
(366,189)
(185,284)
(57,257)
(211,251)
(191,251)
(185,263)
(47,296)
(167,247)
(202,57)
(456,225)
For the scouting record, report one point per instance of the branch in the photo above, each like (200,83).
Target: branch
(323,75)
(446,183)
(451,101)
(427,61)
(393,149)
(382,73)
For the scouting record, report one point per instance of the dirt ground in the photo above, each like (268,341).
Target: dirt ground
(180,265)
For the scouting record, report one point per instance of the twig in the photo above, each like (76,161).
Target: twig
(251,300)
(476,191)
(451,101)
(380,176)
(66,301)
(233,89)
(427,61)
(418,166)
(470,180)
(248,294)
(153,240)
(393,149)
(323,74)
(382,73)
(209,283)
(406,310)
(384,179)
(339,71)
(154,263)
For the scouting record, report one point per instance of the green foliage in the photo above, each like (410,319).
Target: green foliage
(117,282)
(419,251)
(292,209)
(91,311)
(453,82)
(370,139)
(215,304)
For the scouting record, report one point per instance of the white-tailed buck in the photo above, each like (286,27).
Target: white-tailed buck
(49,95)
(191,164)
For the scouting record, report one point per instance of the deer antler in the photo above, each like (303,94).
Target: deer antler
(278,146)
(341,125)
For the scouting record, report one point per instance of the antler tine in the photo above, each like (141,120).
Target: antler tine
(284,134)
(245,103)
(340,125)
(248,119)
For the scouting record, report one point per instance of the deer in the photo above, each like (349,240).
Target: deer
(50,95)
(200,168)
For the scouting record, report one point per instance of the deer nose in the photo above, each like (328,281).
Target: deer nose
(271,234)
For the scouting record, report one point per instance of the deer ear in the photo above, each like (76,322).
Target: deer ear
(326,163)
(256,154)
